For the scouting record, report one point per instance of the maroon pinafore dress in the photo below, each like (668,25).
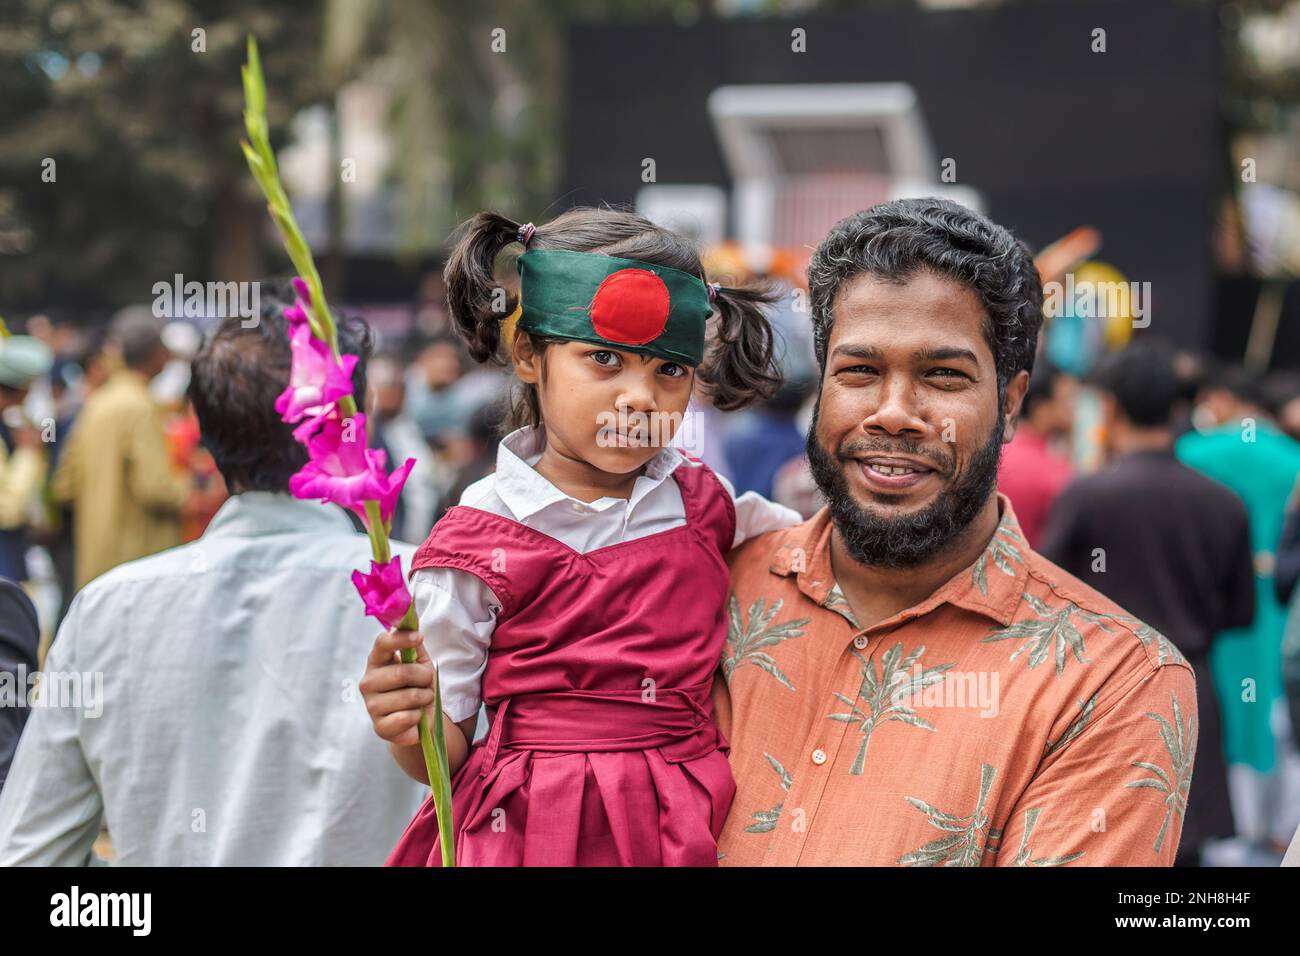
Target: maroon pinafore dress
(602,750)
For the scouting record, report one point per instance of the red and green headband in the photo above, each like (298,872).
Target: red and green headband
(625,304)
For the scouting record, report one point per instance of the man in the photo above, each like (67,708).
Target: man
(23,359)
(1033,473)
(1168,544)
(231,730)
(1239,444)
(910,683)
(116,473)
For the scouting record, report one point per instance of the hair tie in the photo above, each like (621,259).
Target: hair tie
(525,233)
(714,289)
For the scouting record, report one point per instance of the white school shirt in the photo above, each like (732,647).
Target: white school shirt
(458,611)
(214,717)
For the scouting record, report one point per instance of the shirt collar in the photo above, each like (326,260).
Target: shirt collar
(525,492)
(254,513)
(991,586)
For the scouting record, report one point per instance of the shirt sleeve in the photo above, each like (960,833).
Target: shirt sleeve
(1115,794)
(458,614)
(51,807)
(756,515)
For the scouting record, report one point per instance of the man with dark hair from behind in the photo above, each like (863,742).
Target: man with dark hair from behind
(230,730)
(1166,543)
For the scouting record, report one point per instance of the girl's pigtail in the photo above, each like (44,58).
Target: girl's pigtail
(740,367)
(477,302)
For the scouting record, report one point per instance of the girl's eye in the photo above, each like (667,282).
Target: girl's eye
(597,356)
(677,370)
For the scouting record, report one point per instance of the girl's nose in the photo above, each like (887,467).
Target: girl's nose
(637,394)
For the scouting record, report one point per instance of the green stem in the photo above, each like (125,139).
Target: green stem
(261,162)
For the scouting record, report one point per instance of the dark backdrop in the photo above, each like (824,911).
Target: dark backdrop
(1052,134)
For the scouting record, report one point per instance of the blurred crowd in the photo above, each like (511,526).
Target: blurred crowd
(101,463)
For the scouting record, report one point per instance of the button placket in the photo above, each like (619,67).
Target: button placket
(825,738)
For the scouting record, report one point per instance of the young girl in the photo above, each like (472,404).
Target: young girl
(580,591)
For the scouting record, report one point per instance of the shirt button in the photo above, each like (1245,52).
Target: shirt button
(819,756)
(860,642)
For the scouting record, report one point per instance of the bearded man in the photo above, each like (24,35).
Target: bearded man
(910,683)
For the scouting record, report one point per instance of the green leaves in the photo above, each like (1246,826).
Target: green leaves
(1175,783)
(964,846)
(765,820)
(1002,551)
(885,695)
(747,641)
(1053,632)
(261,163)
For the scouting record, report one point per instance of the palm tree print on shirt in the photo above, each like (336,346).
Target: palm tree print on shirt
(1052,631)
(886,695)
(1075,728)
(1002,551)
(836,601)
(1180,742)
(765,820)
(746,642)
(1024,856)
(1165,649)
(963,846)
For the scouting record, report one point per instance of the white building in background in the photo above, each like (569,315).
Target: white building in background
(801,157)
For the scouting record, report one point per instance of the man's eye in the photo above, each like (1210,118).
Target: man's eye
(858,369)
(601,361)
(949,373)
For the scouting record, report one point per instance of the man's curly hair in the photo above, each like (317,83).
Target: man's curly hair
(897,239)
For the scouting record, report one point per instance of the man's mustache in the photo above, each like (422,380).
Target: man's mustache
(943,462)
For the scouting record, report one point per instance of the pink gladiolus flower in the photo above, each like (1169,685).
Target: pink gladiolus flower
(384,591)
(393,485)
(316,380)
(300,286)
(341,469)
(295,316)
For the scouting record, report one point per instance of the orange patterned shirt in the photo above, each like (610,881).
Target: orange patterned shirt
(1016,717)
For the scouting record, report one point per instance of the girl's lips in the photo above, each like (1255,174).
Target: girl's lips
(891,482)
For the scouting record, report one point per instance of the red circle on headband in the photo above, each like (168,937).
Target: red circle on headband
(631,306)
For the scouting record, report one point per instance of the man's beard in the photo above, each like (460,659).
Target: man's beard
(910,539)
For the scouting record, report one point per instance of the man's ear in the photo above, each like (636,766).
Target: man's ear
(1015,394)
(524,358)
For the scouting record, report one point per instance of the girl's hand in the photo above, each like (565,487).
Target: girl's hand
(396,693)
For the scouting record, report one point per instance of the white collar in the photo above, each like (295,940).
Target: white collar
(525,492)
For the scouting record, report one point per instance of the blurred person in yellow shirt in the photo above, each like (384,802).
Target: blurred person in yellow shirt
(116,474)
(22,454)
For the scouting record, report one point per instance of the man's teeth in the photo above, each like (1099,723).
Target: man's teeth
(893,470)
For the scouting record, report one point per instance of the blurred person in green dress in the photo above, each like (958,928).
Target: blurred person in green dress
(1238,443)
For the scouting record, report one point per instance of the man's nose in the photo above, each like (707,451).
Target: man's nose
(896,409)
